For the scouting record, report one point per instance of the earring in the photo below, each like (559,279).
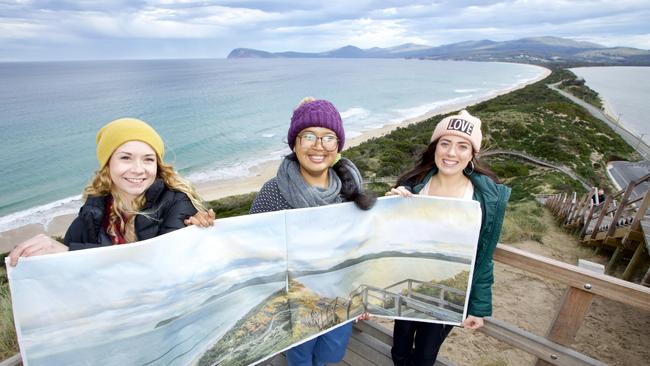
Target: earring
(469,171)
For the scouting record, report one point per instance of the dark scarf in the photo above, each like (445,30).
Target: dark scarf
(300,194)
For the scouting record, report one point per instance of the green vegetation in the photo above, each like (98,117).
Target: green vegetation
(276,323)
(534,120)
(459,281)
(8,341)
(232,205)
(523,221)
(263,330)
(577,87)
(528,180)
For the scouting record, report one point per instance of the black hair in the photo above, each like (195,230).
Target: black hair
(427,161)
(351,190)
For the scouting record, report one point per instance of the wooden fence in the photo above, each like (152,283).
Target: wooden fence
(617,223)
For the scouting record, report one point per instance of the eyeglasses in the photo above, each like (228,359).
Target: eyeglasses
(329,142)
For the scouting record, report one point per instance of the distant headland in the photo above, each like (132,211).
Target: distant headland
(535,50)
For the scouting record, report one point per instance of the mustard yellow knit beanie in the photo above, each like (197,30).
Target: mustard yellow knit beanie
(117,132)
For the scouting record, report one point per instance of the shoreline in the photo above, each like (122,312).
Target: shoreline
(258,174)
(633,128)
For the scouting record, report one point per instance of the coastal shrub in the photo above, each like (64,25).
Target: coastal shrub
(232,205)
(8,340)
(378,188)
(459,281)
(534,120)
(509,169)
(523,221)
(577,87)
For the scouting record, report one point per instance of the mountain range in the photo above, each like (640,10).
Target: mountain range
(540,50)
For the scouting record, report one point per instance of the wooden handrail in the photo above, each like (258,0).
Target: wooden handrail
(539,346)
(14,360)
(580,278)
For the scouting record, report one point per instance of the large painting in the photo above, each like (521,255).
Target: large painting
(249,287)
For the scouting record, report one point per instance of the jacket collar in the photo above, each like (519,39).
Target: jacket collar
(153,192)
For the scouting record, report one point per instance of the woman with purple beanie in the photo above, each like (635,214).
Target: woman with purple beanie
(313,175)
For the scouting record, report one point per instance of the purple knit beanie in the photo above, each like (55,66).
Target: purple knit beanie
(317,113)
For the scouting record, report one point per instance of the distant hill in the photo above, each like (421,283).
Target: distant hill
(387,254)
(529,50)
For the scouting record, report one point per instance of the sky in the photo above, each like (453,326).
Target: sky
(148,29)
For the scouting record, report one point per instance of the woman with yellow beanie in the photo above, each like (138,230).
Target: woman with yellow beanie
(133,196)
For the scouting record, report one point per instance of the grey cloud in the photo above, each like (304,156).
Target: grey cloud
(128,29)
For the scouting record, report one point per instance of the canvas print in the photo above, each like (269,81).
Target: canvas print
(413,261)
(247,288)
(171,300)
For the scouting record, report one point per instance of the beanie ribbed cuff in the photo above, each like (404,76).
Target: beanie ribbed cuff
(317,113)
(122,130)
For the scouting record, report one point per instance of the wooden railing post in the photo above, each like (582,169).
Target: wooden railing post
(619,210)
(639,253)
(569,318)
(611,264)
(601,216)
(578,211)
(587,221)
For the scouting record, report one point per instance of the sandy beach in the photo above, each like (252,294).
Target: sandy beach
(261,173)
(252,182)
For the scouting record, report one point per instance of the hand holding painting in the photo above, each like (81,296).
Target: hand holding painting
(449,168)
(132,179)
(38,245)
(201,218)
(473,322)
(399,191)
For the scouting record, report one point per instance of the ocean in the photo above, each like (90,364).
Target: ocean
(218,117)
(626,91)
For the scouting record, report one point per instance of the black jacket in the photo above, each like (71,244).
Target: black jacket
(164,211)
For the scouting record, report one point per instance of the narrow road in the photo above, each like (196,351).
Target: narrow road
(633,140)
(624,172)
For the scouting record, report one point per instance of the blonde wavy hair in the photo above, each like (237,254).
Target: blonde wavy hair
(122,216)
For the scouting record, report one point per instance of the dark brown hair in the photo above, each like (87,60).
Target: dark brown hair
(428,160)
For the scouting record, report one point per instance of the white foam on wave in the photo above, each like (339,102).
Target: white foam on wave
(355,113)
(232,170)
(464,91)
(268,135)
(42,215)
(432,107)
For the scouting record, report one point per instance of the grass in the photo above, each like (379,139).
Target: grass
(534,120)
(578,88)
(232,206)
(523,221)
(8,341)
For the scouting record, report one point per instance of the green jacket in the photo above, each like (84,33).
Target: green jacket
(493,198)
